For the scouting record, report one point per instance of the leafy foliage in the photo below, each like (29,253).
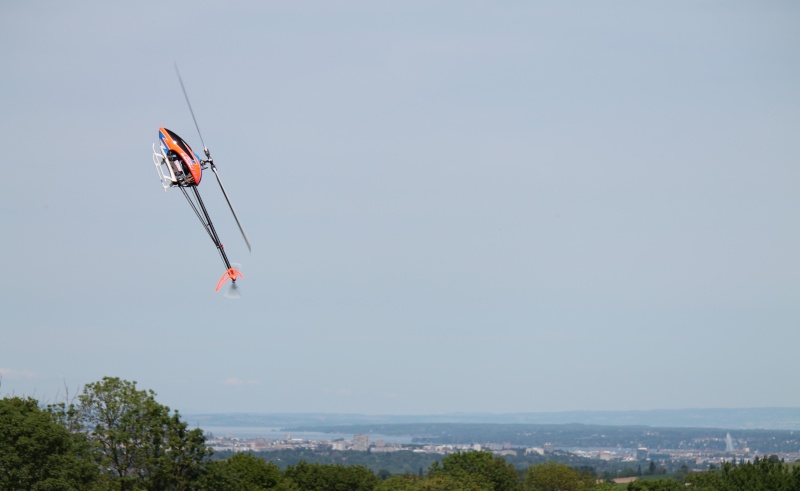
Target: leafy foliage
(552,476)
(435,483)
(37,451)
(768,474)
(243,471)
(480,468)
(658,485)
(137,439)
(318,477)
(400,462)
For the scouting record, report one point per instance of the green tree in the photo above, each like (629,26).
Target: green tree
(432,483)
(321,477)
(243,471)
(137,439)
(37,452)
(658,485)
(682,473)
(553,476)
(479,467)
(761,475)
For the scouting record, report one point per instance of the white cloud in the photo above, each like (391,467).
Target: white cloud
(237,381)
(12,374)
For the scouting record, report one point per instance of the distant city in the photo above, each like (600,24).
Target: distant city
(748,436)
(697,451)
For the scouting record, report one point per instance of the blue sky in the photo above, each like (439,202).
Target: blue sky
(453,206)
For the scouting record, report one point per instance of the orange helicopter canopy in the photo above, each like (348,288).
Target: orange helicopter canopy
(172,141)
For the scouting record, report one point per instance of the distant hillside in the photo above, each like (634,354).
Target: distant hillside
(745,418)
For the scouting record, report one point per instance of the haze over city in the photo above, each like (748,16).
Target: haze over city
(454,207)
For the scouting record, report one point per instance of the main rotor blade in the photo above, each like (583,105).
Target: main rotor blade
(244,235)
(205,148)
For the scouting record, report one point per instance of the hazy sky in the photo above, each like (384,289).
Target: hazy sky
(454,206)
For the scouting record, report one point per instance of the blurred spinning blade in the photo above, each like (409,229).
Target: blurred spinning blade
(232,291)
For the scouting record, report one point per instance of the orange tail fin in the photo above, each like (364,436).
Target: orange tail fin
(231,274)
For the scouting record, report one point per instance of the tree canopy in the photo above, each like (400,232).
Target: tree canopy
(552,476)
(38,452)
(137,439)
(480,468)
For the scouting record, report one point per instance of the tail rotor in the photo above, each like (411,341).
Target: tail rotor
(233,291)
(232,274)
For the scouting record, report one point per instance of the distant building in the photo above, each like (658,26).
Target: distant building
(384,449)
(259,444)
(641,453)
(361,442)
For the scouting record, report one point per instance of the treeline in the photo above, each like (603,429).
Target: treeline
(767,474)
(388,463)
(114,436)
(409,462)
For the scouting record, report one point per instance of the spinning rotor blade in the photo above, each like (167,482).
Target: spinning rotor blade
(205,148)
(210,161)
(232,290)
(244,235)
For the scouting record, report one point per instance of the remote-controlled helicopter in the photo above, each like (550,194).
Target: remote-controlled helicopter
(178,165)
